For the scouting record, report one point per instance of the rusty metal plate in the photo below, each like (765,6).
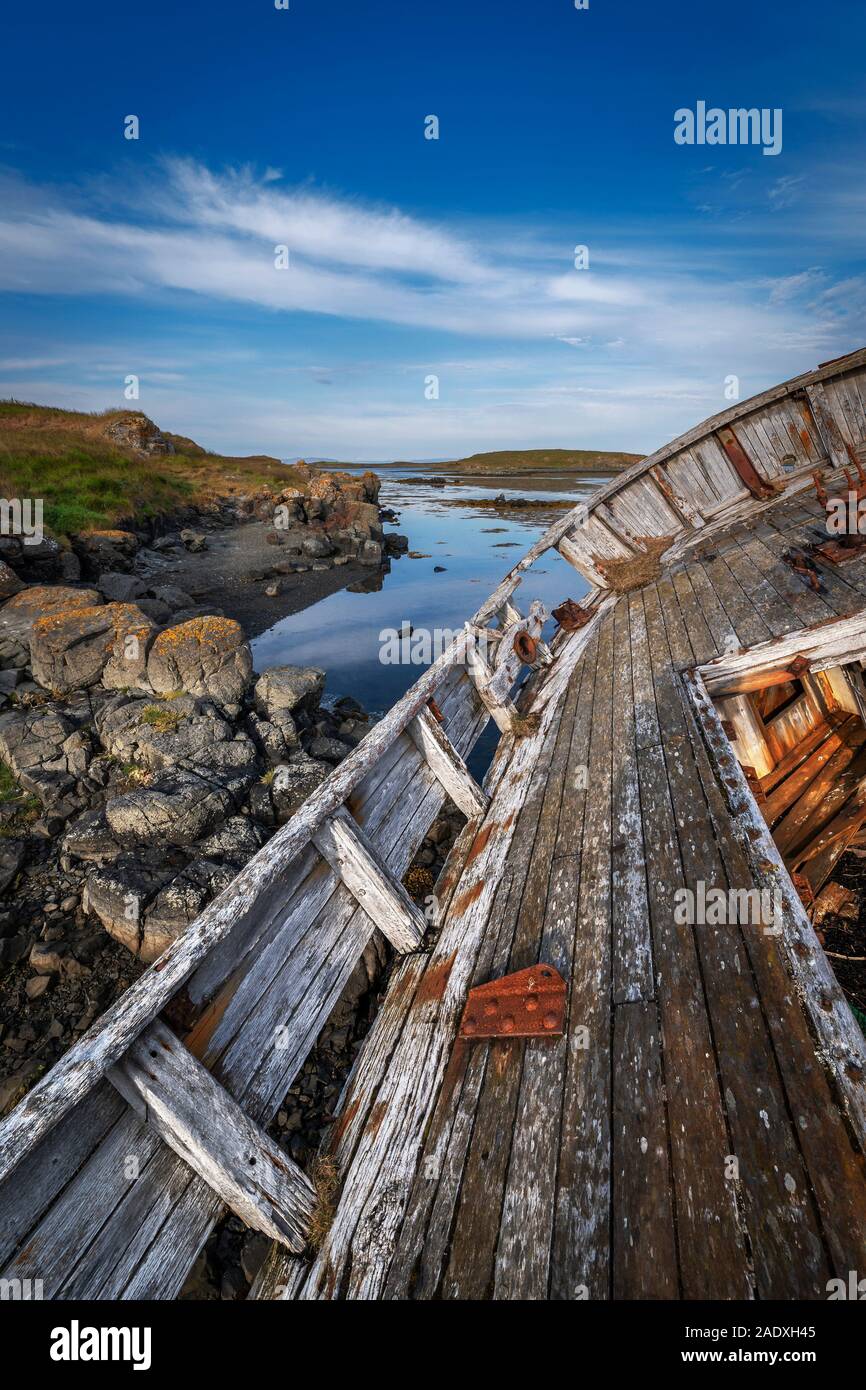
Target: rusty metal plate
(570,615)
(528,1004)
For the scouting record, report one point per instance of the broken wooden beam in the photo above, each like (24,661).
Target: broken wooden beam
(196,1116)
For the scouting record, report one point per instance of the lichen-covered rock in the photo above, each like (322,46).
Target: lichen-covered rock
(46,749)
(119,893)
(277,737)
(110,549)
(208,656)
(136,431)
(178,904)
(126,667)
(19,613)
(288,688)
(10,584)
(71,650)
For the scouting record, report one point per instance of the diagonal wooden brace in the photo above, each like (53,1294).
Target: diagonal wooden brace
(196,1116)
(447,765)
(359,864)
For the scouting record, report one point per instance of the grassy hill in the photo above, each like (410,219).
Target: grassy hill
(90,475)
(505,461)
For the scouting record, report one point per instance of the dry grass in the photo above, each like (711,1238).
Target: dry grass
(89,482)
(325,1177)
(637,570)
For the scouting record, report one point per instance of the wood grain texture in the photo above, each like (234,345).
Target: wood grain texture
(198,1119)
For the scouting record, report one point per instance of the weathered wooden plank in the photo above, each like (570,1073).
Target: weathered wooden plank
(580,1259)
(501,1122)
(828,425)
(524,1246)
(53,1164)
(576,552)
(712,1255)
(703,644)
(632,972)
(800,777)
(447,765)
(373,1201)
(719,624)
(198,1119)
(642,1227)
(424,1240)
(775,611)
(789,1257)
(791,970)
(369,880)
(824,796)
(748,624)
(827,645)
(677,500)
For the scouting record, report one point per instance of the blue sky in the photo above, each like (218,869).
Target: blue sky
(411,257)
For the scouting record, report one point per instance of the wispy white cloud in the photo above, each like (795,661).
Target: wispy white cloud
(659,324)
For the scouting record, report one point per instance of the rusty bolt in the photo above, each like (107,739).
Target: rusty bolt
(550,1020)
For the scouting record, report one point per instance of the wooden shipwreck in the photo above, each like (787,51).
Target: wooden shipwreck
(698,1128)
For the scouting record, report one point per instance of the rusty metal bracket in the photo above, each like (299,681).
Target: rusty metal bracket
(528,1004)
(570,615)
(746,471)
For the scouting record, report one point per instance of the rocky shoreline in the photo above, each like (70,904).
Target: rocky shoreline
(144,762)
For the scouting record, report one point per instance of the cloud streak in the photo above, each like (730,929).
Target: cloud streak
(632,349)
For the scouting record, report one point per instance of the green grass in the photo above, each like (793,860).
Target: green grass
(164,721)
(27,806)
(87,482)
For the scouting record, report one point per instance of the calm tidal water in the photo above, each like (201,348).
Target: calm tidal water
(476,546)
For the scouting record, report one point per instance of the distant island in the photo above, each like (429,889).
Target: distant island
(501,462)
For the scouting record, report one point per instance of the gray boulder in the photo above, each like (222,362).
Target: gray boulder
(177,808)
(317,547)
(286,688)
(209,657)
(195,541)
(120,588)
(173,597)
(10,584)
(178,904)
(19,613)
(333,750)
(46,748)
(79,648)
(163,733)
(370,553)
(277,737)
(293,782)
